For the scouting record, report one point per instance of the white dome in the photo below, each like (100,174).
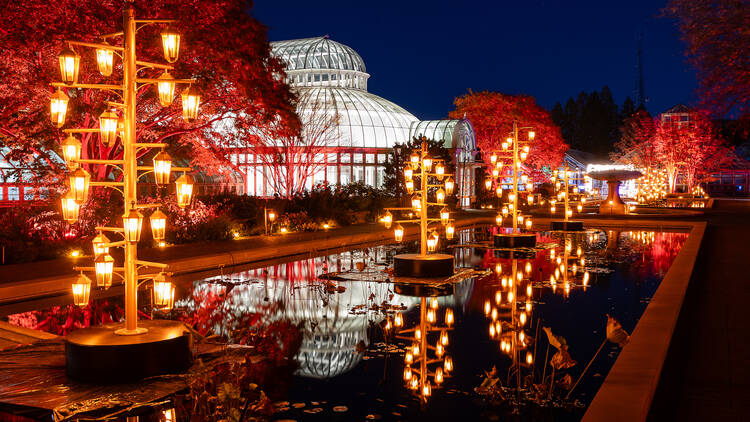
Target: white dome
(317,53)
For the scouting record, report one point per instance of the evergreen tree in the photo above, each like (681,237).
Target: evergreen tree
(393,179)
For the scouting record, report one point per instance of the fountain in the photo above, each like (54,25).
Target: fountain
(613,204)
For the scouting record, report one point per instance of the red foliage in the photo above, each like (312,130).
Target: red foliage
(61,320)
(492,115)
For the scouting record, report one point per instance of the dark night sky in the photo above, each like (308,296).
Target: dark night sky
(421,54)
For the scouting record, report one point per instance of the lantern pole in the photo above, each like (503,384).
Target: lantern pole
(423,213)
(515,176)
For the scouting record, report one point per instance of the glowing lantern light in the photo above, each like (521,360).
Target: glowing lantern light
(449,186)
(495,172)
(416,203)
(426,390)
(81,290)
(409,186)
(407,373)
(398,320)
(191,100)
(440,171)
(586,278)
(70,208)
(438,375)
(388,219)
(448,364)
(493,158)
(444,216)
(499,191)
(100,244)
(165,87)
(439,350)
(398,233)
(488,184)
(414,158)
(427,163)
(498,297)
(504,211)
(528,224)
(408,358)
(170,40)
(163,292)
(58,107)
(159,225)
(132,221)
(448,317)
(162,167)
(532,134)
(450,230)
(487,308)
(71,150)
(444,338)
(529,358)
(440,196)
(69,62)
(499,219)
(184,190)
(104,266)
(432,242)
(408,173)
(79,184)
(104,60)
(108,127)
(431,316)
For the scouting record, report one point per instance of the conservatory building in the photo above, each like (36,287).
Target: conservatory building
(348,132)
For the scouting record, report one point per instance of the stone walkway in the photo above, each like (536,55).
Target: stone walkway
(706,374)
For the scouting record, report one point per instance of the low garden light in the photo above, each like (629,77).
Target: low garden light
(170,40)
(166,86)
(79,184)
(81,290)
(162,167)
(69,62)
(104,60)
(100,244)
(58,107)
(184,189)
(163,292)
(70,208)
(398,233)
(191,100)
(132,221)
(158,222)
(388,219)
(450,185)
(71,150)
(108,127)
(271,215)
(104,266)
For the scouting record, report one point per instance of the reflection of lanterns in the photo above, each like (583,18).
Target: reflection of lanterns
(162,167)
(79,184)
(131,223)
(184,189)
(104,60)
(158,225)
(104,266)
(58,108)
(388,219)
(71,149)
(170,40)
(100,244)
(70,208)
(448,317)
(69,62)
(398,233)
(398,320)
(81,290)
(108,127)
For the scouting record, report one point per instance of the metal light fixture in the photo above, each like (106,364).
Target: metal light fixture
(450,230)
(499,219)
(162,168)
(271,215)
(388,219)
(414,158)
(132,221)
(108,127)
(398,232)
(427,162)
(104,266)
(532,134)
(493,158)
(444,216)
(440,196)
(104,60)
(409,186)
(170,40)
(449,185)
(70,208)
(184,190)
(158,225)
(191,100)
(71,151)
(163,292)
(432,242)
(58,107)
(69,62)
(79,184)
(408,173)
(81,290)
(100,244)
(165,86)
(488,184)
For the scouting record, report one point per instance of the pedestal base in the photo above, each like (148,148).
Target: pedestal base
(515,240)
(97,354)
(423,266)
(567,226)
(423,289)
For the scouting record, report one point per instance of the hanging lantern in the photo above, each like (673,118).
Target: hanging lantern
(504,145)
(427,163)
(448,316)
(524,155)
(499,191)
(450,230)
(493,158)
(495,172)
(440,196)
(532,134)
(191,100)
(499,219)
(104,60)
(104,265)
(70,208)
(71,150)
(79,184)
(407,373)
(414,159)
(108,127)
(58,107)
(271,215)
(398,232)
(444,216)
(528,224)
(69,62)
(432,242)
(100,244)
(504,211)
(158,225)
(410,186)
(440,171)
(184,190)
(449,185)
(165,87)
(163,292)
(81,290)
(448,364)
(408,173)
(170,40)
(416,203)
(162,167)
(132,222)
(488,184)
(388,219)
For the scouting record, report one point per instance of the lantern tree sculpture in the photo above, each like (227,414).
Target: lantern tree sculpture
(418,173)
(570,197)
(512,153)
(119,120)
(422,359)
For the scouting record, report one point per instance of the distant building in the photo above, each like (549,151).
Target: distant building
(680,115)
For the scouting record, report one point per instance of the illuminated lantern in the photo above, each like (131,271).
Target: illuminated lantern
(449,186)
(440,196)
(450,230)
(528,224)
(104,265)
(271,215)
(580,208)
(169,415)
(132,221)
(432,242)
(81,290)
(438,375)
(440,171)
(410,186)
(499,219)
(70,208)
(121,128)
(108,127)
(426,390)
(104,60)
(388,219)
(191,100)
(586,278)
(71,150)
(504,145)
(408,358)
(414,383)
(448,364)
(184,190)
(170,40)
(444,216)
(69,62)
(162,168)
(416,203)
(58,107)
(493,158)
(408,173)
(158,225)
(499,191)
(488,184)
(495,172)
(163,292)
(523,156)
(529,358)
(398,232)
(100,244)
(431,316)
(448,316)
(407,373)
(165,87)
(530,200)
(79,184)
(398,320)
(504,211)
(414,158)
(427,163)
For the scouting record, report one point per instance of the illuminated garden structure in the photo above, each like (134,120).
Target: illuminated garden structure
(568,196)
(613,204)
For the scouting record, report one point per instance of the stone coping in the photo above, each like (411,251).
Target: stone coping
(628,389)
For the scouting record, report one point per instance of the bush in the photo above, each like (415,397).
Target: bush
(298,222)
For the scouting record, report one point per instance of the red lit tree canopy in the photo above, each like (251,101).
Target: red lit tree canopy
(222,46)
(492,115)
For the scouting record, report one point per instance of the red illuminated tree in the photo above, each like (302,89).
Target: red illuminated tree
(492,115)
(635,146)
(222,46)
(717,38)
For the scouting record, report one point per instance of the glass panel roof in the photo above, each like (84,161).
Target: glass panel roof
(317,53)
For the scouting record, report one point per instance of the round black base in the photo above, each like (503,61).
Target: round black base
(97,354)
(515,240)
(567,226)
(420,289)
(515,253)
(423,266)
